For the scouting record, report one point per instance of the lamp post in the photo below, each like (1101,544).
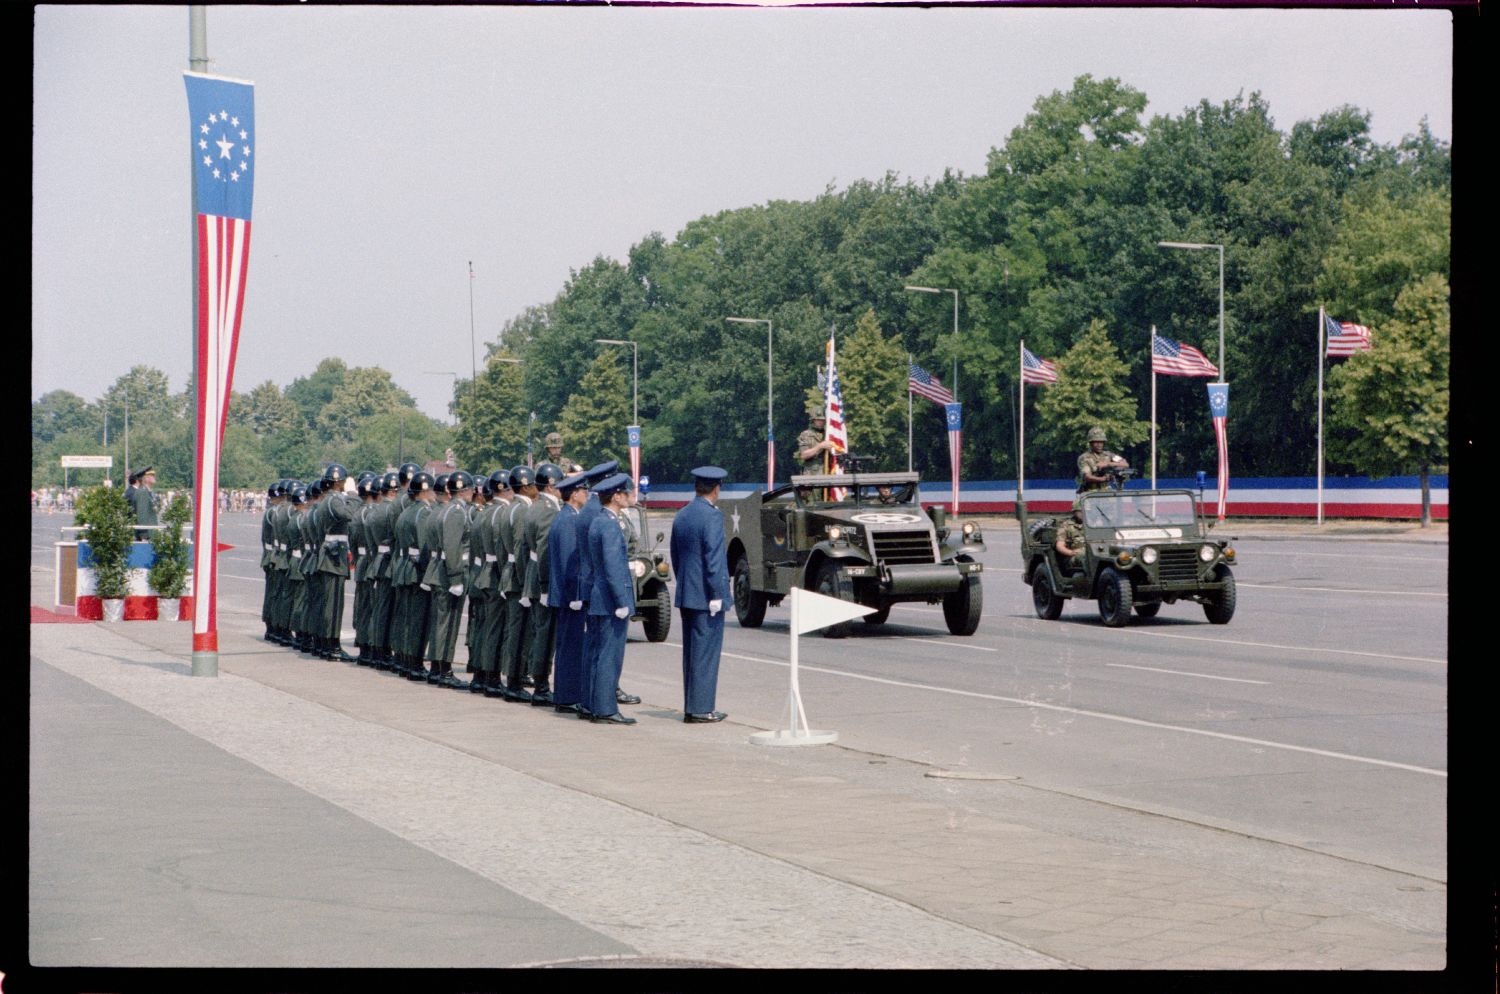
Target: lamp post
(1194,246)
(635,370)
(770,429)
(933,289)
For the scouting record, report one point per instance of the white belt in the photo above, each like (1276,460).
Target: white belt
(382,548)
(296,553)
(510,558)
(478,560)
(414,550)
(268,546)
(364,551)
(490,557)
(335,539)
(533,557)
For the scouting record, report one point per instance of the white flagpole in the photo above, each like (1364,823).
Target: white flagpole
(1021,459)
(908,412)
(1321,349)
(1151,352)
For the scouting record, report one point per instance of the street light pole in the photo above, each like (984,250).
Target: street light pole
(770,427)
(1193,246)
(933,289)
(635,370)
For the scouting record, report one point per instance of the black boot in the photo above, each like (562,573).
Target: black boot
(337,654)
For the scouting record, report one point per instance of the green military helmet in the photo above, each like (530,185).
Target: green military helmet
(1096,434)
(816,409)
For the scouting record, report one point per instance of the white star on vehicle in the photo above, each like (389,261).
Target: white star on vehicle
(735,517)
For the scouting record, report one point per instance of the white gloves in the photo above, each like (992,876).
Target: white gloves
(424,586)
(622,613)
(525,601)
(575,605)
(456,589)
(714,607)
(544,600)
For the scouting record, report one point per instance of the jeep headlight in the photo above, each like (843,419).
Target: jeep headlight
(661,567)
(1229,553)
(1148,555)
(971,532)
(1125,557)
(1207,553)
(637,568)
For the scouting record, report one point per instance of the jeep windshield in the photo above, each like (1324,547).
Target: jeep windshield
(1141,515)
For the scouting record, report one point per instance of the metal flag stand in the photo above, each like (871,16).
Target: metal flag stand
(809,612)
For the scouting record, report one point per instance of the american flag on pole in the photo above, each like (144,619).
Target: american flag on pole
(223,145)
(1346,338)
(955,415)
(1171,358)
(633,437)
(1038,371)
(1218,408)
(924,384)
(833,412)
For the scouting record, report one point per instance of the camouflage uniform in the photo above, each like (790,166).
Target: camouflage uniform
(1070,533)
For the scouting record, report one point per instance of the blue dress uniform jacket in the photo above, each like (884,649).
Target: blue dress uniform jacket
(562,589)
(699,563)
(612,589)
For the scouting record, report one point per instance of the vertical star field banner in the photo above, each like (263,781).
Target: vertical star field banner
(1218,408)
(633,436)
(222,123)
(955,414)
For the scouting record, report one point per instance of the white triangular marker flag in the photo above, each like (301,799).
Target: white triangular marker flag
(814,611)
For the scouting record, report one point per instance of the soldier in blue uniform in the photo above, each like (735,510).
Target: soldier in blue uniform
(564,597)
(699,562)
(611,601)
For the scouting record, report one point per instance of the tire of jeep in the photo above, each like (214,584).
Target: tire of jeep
(749,604)
(657,621)
(879,617)
(1148,609)
(1115,592)
(1048,602)
(1221,608)
(828,585)
(961,609)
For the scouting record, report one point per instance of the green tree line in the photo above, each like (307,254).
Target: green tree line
(1054,244)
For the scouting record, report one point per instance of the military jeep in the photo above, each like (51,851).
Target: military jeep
(861,537)
(1144,548)
(650,572)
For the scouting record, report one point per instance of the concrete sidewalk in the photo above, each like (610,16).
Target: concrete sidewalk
(293,812)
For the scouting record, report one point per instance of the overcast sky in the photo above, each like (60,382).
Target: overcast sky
(397,145)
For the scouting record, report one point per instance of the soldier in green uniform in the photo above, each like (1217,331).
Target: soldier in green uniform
(368,489)
(1095,462)
(408,621)
(430,540)
(486,654)
(447,575)
(554,446)
(539,520)
(472,569)
(274,497)
(1070,544)
(380,532)
(516,643)
(283,530)
(812,443)
(143,501)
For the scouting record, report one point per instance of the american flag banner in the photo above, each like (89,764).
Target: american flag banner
(833,413)
(924,384)
(633,437)
(1218,408)
(222,116)
(1038,371)
(1171,358)
(955,416)
(1346,338)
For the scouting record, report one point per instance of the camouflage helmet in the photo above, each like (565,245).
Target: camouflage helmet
(548,474)
(553,438)
(1096,434)
(816,409)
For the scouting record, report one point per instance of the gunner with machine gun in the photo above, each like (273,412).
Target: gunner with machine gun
(1096,467)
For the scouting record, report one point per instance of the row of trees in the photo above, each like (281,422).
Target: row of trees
(1055,244)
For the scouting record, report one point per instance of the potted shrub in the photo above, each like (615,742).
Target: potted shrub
(168,576)
(106,519)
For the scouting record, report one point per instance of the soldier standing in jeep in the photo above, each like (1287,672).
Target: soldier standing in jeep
(1095,463)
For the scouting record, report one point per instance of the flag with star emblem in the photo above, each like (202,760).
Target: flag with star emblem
(1218,410)
(222,116)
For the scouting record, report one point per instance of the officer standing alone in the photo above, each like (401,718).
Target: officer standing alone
(699,561)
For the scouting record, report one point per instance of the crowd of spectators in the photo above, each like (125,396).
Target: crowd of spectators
(52,500)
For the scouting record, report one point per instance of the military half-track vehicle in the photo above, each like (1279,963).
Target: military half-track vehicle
(875,546)
(647,560)
(1145,548)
